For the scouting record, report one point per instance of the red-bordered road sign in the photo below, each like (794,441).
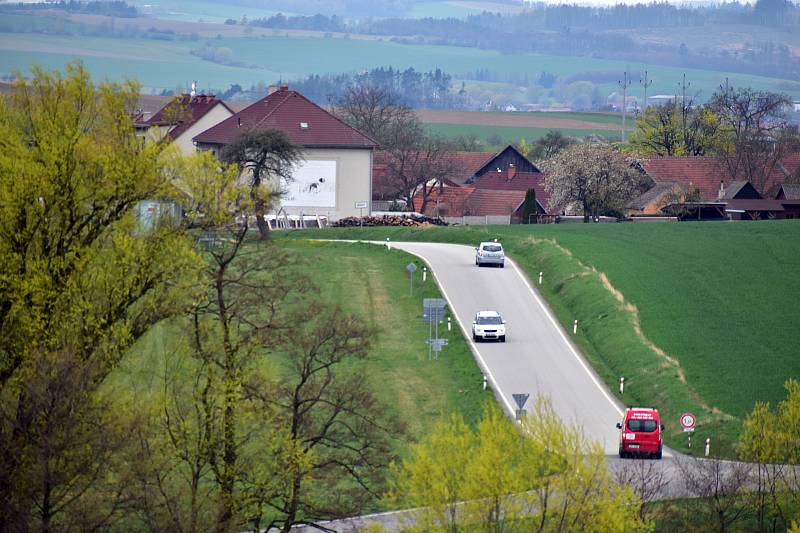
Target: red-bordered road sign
(688,421)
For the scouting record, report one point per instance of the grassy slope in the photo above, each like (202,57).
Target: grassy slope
(375,286)
(715,297)
(288,58)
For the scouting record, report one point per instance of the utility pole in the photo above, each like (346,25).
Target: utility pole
(684,86)
(645,82)
(624,83)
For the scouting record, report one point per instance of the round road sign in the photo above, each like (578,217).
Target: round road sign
(687,421)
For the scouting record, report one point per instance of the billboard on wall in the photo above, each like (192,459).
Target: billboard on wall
(313,185)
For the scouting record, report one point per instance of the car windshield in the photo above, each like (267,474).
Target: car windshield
(642,425)
(490,320)
(493,248)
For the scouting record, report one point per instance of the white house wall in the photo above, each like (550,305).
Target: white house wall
(353,179)
(213,117)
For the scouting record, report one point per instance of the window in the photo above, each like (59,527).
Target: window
(483,320)
(640,426)
(493,248)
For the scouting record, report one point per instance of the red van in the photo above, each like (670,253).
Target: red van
(640,433)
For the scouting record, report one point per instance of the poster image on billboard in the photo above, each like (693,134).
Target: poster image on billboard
(313,184)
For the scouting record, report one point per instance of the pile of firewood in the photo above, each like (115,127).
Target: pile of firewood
(389,220)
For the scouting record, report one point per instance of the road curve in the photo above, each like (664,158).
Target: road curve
(537,357)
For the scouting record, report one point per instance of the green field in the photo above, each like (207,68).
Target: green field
(372,283)
(718,298)
(168,63)
(200,10)
(509,134)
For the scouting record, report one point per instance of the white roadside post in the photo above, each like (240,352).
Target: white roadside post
(708,445)
(388,245)
(424,273)
(540,277)
(575,326)
(485,382)
(621,384)
(449,325)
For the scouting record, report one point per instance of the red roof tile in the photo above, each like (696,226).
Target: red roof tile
(469,201)
(704,173)
(520,181)
(196,106)
(306,123)
(469,162)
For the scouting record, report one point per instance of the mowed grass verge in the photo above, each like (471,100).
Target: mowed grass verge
(372,283)
(697,316)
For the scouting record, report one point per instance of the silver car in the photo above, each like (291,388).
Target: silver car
(488,325)
(490,253)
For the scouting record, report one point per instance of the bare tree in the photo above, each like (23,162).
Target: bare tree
(373,110)
(719,489)
(648,479)
(269,157)
(66,461)
(755,135)
(338,428)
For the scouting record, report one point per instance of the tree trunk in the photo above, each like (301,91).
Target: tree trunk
(291,509)
(263,227)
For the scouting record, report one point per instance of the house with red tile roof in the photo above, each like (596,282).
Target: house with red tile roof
(484,176)
(181,119)
(336,174)
(469,201)
(698,178)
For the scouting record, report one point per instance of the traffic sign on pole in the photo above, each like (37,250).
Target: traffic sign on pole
(688,422)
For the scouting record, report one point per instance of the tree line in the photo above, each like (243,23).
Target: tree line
(412,88)
(573,30)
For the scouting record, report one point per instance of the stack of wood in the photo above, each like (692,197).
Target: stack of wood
(389,220)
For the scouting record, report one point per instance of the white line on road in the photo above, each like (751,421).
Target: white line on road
(564,337)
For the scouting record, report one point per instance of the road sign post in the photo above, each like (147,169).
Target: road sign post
(411,268)
(433,313)
(520,400)
(688,421)
(361,206)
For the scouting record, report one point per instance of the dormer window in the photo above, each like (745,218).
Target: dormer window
(304,125)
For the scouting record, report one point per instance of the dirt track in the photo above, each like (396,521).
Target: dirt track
(528,120)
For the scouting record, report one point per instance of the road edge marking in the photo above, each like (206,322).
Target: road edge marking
(560,330)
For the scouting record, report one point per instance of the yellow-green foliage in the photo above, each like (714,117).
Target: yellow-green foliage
(542,476)
(75,270)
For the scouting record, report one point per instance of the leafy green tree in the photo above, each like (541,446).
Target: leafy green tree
(769,439)
(670,130)
(542,476)
(79,274)
(529,207)
(268,157)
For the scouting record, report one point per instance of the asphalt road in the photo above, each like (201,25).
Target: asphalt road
(538,357)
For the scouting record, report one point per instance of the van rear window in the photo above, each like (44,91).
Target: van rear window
(642,426)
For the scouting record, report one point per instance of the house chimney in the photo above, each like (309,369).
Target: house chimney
(512,171)
(238,122)
(721,192)
(272,89)
(284,88)
(194,90)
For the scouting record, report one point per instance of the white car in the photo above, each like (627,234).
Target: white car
(490,253)
(488,325)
